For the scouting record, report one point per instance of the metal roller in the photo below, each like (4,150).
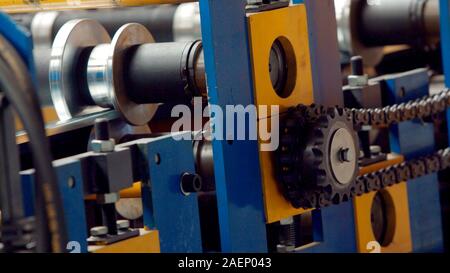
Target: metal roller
(155,73)
(167,23)
(365,26)
(388,22)
(131,74)
(105,74)
(67,70)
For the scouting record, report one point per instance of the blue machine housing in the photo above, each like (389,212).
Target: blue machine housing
(166,208)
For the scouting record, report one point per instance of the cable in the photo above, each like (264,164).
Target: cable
(20,92)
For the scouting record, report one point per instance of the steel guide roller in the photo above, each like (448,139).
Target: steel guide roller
(89,72)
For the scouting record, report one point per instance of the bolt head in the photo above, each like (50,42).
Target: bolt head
(123,224)
(99,231)
(345,155)
(375,150)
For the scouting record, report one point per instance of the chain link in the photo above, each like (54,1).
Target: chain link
(426,107)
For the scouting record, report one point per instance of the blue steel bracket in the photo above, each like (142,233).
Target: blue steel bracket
(21,39)
(237,170)
(69,175)
(333,230)
(333,227)
(162,161)
(325,55)
(444,9)
(413,139)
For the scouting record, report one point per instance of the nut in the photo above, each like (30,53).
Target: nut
(108,198)
(99,231)
(358,81)
(103,146)
(123,224)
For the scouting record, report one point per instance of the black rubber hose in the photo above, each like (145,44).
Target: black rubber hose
(17,85)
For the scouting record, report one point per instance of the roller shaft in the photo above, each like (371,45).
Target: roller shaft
(165,72)
(387,22)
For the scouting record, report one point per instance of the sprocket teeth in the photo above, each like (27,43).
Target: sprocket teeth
(310,185)
(318,154)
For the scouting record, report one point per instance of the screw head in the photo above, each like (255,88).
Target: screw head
(345,155)
(123,224)
(375,150)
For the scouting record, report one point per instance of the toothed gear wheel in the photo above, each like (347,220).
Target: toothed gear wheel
(318,161)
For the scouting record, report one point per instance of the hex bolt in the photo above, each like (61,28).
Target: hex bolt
(357,66)
(102,143)
(101,129)
(375,150)
(123,224)
(190,183)
(358,78)
(99,231)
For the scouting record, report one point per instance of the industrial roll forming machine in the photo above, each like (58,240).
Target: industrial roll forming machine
(129,129)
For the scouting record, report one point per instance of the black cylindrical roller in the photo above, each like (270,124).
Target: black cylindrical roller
(388,22)
(164,72)
(357,65)
(158,19)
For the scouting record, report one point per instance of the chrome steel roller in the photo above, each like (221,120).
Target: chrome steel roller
(68,58)
(105,74)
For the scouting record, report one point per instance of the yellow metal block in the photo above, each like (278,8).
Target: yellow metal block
(398,233)
(147,242)
(288,26)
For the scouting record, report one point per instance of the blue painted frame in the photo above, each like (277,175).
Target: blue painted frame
(166,208)
(72,197)
(236,165)
(333,230)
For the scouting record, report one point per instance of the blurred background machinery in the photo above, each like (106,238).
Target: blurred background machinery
(353,82)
